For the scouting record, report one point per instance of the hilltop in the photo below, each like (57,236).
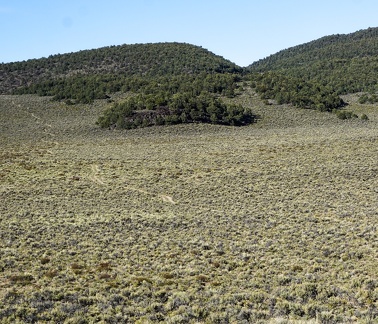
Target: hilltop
(346,63)
(153,60)
(360,44)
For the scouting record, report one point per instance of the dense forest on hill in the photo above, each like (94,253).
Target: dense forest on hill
(160,59)
(296,91)
(355,45)
(344,63)
(311,76)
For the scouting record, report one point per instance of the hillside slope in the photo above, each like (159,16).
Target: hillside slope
(346,63)
(139,59)
(175,83)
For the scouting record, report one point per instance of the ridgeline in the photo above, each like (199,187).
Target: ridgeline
(344,63)
(152,60)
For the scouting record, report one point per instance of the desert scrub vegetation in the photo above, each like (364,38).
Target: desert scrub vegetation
(274,221)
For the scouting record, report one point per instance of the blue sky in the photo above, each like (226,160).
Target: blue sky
(242,31)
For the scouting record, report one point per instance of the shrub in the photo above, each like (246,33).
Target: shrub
(364,117)
(343,114)
(45,260)
(22,279)
(365,98)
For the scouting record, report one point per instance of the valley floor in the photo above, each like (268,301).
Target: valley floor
(276,221)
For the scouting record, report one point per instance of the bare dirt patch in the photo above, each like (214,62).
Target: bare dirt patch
(95,175)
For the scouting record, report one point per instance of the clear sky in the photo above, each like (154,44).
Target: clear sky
(242,31)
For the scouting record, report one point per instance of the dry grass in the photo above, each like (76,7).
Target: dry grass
(198,223)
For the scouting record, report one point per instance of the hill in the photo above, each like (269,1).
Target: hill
(127,60)
(175,83)
(346,63)
(171,83)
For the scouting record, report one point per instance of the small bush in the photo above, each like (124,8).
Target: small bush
(167,275)
(22,279)
(104,276)
(364,117)
(202,278)
(365,98)
(45,260)
(77,268)
(139,280)
(343,114)
(51,273)
(104,266)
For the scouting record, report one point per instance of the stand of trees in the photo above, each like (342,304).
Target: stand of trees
(292,90)
(344,63)
(166,109)
(87,88)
